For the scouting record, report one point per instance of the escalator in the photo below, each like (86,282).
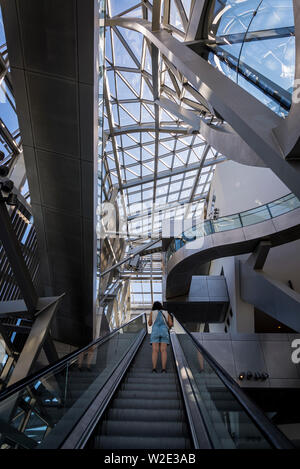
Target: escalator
(148,410)
(105,396)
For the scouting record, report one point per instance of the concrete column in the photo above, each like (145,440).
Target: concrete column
(242,320)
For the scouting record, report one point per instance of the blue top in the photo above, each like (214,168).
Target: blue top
(159,321)
(160,331)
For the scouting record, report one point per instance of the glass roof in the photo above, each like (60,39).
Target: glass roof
(253,43)
(10,138)
(158,160)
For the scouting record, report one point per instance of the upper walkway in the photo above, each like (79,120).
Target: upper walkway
(278,222)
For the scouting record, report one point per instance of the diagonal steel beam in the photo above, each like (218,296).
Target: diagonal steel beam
(35,341)
(198,175)
(15,256)
(133,254)
(182,14)
(184,114)
(197,19)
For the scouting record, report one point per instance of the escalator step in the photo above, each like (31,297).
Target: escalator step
(148,370)
(148,374)
(143,429)
(148,394)
(151,415)
(156,377)
(167,386)
(146,404)
(126,442)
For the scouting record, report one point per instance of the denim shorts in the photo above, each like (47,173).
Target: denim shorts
(160,334)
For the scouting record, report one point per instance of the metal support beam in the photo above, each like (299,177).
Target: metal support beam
(14,435)
(18,329)
(111,124)
(156,15)
(156,87)
(182,14)
(194,29)
(8,343)
(133,254)
(166,13)
(14,308)
(184,114)
(148,128)
(198,175)
(15,256)
(173,172)
(164,208)
(270,295)
(259,256)
(50,350)
(252,120)
(35,341)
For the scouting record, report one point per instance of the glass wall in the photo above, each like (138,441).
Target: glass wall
(9,126)
(253,43)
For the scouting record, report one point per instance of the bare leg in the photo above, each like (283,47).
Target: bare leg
(155,349)
(163,352)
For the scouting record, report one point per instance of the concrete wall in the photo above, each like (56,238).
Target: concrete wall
(238,187)
(242,320)
(270,353)
(283,263)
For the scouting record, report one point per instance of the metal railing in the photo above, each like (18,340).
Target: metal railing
(253,216)
(23,383)
(272,434)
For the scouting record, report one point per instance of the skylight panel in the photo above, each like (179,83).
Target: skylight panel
(117,7)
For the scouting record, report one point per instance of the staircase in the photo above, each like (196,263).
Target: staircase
(147,411)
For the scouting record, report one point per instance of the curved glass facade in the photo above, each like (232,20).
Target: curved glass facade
(253,43)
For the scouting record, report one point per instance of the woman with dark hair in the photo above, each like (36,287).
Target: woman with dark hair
(159,338)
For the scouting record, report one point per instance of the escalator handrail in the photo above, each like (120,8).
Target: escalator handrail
(268,429)
(23,383)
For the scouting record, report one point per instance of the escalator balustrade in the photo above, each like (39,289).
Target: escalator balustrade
(129,406)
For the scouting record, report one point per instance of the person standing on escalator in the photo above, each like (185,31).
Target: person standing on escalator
(159,338)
